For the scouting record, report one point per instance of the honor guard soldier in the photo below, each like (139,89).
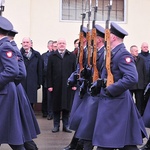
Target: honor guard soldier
(10,124)
(146,119)
(73,121)
(118,122)
(86,127)
(29,123)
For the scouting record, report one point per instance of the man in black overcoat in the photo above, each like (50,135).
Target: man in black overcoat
(138,89)
(60,66)
(46,95)
(33,63)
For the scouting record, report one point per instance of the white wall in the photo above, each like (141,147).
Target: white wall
(138,22)
(40,20)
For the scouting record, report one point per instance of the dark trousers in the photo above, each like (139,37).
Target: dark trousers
(17,147)
(128,147)
(87,144)
(30,145)
(46,101)
(49,103)
(139,99)
(65,118)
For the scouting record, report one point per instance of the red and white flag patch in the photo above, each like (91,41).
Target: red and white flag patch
(9,54)
(128,59)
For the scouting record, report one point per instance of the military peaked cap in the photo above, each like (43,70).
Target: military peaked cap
(117,30)
(5,24)
(100,30)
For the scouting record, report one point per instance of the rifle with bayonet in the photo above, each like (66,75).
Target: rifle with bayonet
(110,79)
(94,89)
(94,45)
(88,37)
(72,80)
(86,73)
(81,44)
(98,82)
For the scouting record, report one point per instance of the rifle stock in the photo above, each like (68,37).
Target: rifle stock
(81,44)
(89,49)
(94,45)
(94,41)
(89,37)
(110,78)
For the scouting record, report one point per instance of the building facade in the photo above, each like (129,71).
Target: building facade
(42,20)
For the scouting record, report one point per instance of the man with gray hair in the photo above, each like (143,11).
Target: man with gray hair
(60,66)
(33,63)
(46,96)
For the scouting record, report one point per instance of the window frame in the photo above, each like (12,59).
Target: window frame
(76,21)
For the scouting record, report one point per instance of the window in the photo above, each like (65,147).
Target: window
(72,10)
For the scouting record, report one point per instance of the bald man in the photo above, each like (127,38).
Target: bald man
(33,63)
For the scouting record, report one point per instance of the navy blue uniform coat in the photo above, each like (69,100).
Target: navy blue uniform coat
(81,105)
(118,121)
(89,107)
(146,115)
(10,124)
(29,123)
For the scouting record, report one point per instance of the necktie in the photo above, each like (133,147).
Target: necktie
(26,53)
(61,55)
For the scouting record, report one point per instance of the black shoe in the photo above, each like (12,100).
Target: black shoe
(49,117)
(44,115)
(30,145)
(66,129)
(55,129)
(69,147)
(79,146)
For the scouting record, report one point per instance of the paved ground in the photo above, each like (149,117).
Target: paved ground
(48,140)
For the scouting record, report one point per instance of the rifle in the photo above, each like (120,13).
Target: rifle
(88,37)
(74,77)
(110,79)
(81,42)
(1,6)
(94,45)
(87,72)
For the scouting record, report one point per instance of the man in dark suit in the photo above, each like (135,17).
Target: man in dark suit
(138,89)
(61,63)
(46,96)
(76,47)
(33,63)
(146,56)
